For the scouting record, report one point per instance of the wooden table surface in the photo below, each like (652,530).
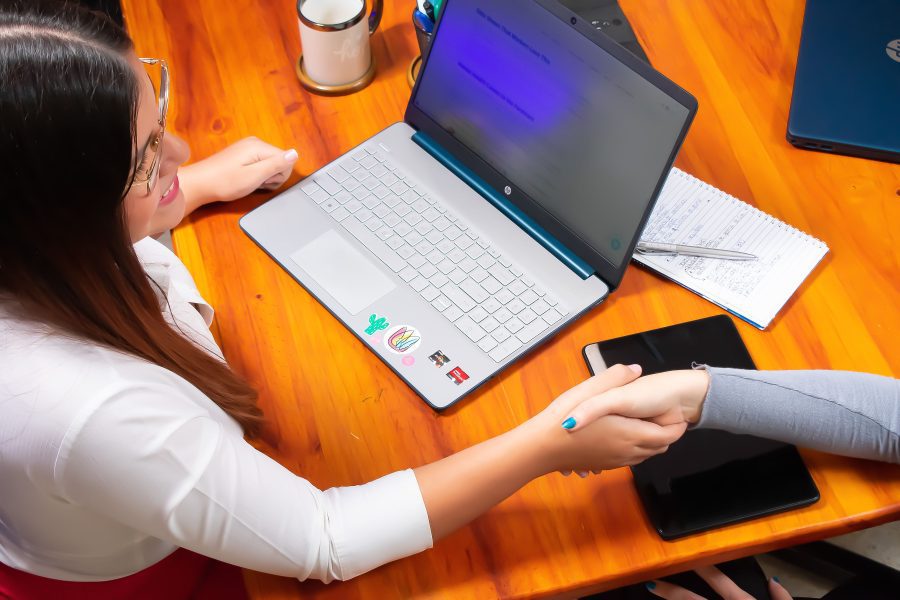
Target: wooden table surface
(340,417)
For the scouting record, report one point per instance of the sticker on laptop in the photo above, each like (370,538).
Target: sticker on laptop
(457,375)
(402,339)
(439,359)
(376,323)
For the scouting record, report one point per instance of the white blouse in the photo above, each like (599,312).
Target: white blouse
(109,463)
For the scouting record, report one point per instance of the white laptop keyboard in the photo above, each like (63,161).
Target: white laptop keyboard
(490,299)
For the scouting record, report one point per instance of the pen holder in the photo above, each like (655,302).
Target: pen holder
(424,29)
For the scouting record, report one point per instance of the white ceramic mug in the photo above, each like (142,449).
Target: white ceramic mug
(335,39)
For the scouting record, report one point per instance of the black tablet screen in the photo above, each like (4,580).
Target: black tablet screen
(709,478)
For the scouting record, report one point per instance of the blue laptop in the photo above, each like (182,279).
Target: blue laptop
(847,86)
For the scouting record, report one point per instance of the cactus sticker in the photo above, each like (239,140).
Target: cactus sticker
(376,323)
(402,339)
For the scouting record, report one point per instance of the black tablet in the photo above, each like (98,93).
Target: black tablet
(708,478)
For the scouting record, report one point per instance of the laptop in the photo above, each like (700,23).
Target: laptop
(506,204)
(847,83)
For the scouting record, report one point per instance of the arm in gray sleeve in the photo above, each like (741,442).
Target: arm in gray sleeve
(842,412)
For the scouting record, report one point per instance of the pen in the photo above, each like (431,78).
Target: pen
(662,249)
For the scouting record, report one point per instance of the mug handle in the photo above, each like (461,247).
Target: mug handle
(375,15)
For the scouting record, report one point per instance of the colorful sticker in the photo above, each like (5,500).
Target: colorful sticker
(402,339)
(439,359)
(457,375)
(376,323)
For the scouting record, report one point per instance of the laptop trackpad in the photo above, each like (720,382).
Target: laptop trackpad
(351,278)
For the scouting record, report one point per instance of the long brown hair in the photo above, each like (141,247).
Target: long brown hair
(68,108)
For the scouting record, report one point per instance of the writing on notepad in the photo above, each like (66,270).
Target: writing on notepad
(690,211)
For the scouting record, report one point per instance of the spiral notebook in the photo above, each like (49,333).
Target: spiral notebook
(690,211)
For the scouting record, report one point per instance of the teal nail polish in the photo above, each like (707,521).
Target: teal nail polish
(775,579)
(568,423)
(650,585)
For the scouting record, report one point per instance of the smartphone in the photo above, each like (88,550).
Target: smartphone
(708,478)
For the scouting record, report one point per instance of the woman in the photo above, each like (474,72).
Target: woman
(121,427)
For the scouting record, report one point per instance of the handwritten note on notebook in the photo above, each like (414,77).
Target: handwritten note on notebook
(690,211)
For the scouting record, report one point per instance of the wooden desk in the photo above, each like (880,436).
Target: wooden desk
(341,417)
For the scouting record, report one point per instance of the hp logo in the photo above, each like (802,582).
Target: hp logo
(508,190)
(893,49)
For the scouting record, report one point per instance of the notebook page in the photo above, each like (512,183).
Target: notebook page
(690,211)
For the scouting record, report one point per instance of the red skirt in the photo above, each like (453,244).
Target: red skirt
(182,575)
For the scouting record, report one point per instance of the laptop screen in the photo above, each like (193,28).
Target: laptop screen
(584,136)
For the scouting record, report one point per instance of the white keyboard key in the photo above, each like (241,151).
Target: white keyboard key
(435,237)
(405,251)
(505,262)
(453,232)
(328,184)
(435,257)
(409,196)
(441,223)
(445,266)
(517,287)
(438,279)
(338,173)
(392,220)
(474,251)
(489,324)
(343,197)
(363,215)
(371,201)
(527,281)
(419,283)
(408,274)
(491,305)
(309,187)
(516,271)
(515,306)
(319,196)
(504,297)
(470,328)
(368,162)
(402,210)
(427,269)
(531,331)
(381,211)
(376,246)
(540,307)
(351,185)
(402,229)
(478,314)
(395,242)
(353,205)
(500,334)
(491,285)
(468,265)
(431,214)
(474,290)
(391,200)
(487,343)
(458,297)
(479,274)
(456,276)
(529,297)
(373,224)
(501,274)
(486,262)
(399,188)
(389,179)
(350,165)
(370,183)
(441,303)
(464,243)
(418,261)
(456,255)
(361,193)
(412,238)
(514,325)
(412,218)
(379,171)
(551,316)
(527,316)
(505,348)
(502,315)
(423,247)
(329,205)
(453,313)
(430,293)
(421,205)
(384,233)
(340,214)
(493,252)
(359,155)
(446,246)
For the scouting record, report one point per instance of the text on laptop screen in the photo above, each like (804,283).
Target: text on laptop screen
(564,121)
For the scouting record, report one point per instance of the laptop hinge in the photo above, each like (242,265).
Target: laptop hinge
(526,223)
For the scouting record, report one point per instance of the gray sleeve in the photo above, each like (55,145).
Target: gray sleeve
(842,412)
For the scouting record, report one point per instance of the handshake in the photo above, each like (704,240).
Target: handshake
(618,418)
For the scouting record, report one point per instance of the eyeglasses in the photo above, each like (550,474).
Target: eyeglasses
(150,175)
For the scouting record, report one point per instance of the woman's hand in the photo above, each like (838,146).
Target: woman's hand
(664,398)
(718,581)
(603,441)
(235,172)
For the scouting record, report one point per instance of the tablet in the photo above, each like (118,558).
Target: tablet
(708,478)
